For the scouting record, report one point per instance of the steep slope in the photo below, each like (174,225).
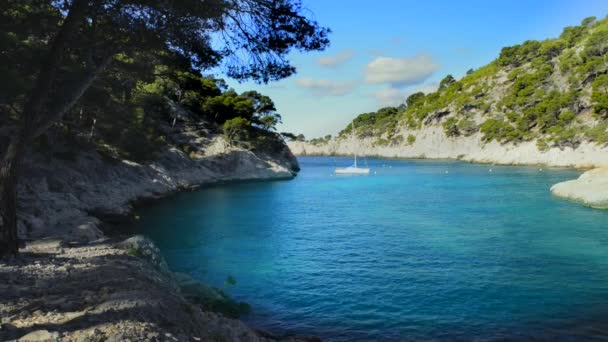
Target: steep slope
(537,103)
(72,282)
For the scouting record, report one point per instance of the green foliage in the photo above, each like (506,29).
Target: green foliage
(375,123)
(519,54)
(134,252)
(411,139)
(597,44)
(551,49)
(289,136)
(598,133)
(236,130)
(546,88)
(446,82)
(500,130)
(572,35)
(381,142)
(125,109)
(542,145)
(450,127)
(320,141)
(588,21)
(414,98)
(214,299)
(525,87)
(599,95)
(467,126)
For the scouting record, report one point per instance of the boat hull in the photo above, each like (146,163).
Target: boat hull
(352,171)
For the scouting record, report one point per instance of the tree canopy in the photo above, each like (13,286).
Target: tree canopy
(114,59)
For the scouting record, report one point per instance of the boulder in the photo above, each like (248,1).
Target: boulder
(143,247)
(40,336)
(590,189)
(86,232)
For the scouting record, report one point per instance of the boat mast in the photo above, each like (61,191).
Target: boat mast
(355,149)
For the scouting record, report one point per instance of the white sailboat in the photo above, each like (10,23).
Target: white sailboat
(353,169)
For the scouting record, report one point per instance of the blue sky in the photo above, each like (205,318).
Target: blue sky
(383,50)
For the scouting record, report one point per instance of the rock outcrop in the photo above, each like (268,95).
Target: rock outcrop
(590,189)
(73,198)
(103,292)
(431,142)
(74,283)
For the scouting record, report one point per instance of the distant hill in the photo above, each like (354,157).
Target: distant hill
(551,93)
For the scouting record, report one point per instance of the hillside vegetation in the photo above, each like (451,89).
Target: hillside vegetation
(123,113)
(553,91)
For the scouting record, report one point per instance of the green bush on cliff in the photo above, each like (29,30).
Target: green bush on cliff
(450,127)
(500,130)
(534,90)
(599,96)
(542,145)
(236,130)
(598,133)
(376,123)
(411,139)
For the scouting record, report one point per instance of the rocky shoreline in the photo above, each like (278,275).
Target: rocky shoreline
(72,282)
(590,189)
(431,143)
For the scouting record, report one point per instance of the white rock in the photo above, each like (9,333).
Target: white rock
(590,189)
(431,142)
(40,336)
(87,231)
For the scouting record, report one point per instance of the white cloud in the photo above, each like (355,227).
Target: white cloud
(389,97)
(393,96)
(400,72)
(336,60)
(326,87)
(427,88)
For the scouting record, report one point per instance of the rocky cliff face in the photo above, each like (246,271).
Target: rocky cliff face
(71,282)
(69,197)
(431,142)
(540,102)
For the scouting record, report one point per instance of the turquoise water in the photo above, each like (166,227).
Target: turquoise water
(410,252)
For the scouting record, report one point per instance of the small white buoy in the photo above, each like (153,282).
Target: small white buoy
(490,170)
(540,169)
(375,172)
(446,171)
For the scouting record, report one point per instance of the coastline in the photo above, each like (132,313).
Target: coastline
(590,189)
(72,281)
(67,240)
(432,143)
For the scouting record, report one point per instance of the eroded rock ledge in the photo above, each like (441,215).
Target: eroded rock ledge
(73,283)
(590,189)
(104,291)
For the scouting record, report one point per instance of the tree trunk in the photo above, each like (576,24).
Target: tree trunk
(8,197)
(34,109)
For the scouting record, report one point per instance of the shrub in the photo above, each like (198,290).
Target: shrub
(597,44)
(450,127)
(381,142)
(542,145)
(236,130)
(467,126)
(411,139)
(599,95)
(599,133)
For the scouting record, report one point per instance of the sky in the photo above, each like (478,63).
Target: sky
(383,50)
